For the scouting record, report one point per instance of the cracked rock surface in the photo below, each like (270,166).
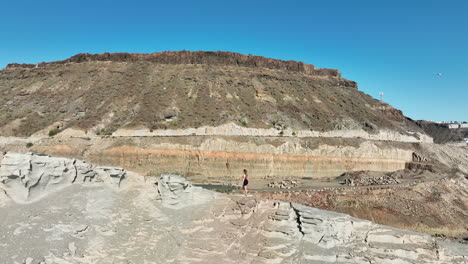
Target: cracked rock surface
(52,213)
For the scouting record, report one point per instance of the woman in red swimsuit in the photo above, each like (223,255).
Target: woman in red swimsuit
(245,181)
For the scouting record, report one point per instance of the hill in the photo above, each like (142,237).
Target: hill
(102,93)
(443,134)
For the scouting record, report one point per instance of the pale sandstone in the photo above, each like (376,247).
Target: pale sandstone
(74,132)
(168,220)
(232,129)
(225,157)
(26,177)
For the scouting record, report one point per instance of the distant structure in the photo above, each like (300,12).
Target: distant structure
(381,96)
(453,125)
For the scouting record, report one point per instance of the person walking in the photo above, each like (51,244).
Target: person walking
(245,181)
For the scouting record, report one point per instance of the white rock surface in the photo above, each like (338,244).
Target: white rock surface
(28,177)
(232,129)
(167,220)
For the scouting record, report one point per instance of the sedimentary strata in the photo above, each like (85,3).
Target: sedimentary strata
(225,157)
(235,130)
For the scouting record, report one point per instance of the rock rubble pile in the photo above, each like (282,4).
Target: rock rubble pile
(284,184)
(382,180)
(363,178)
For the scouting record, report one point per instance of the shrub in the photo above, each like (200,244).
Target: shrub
(54,132)
(281,133)
(244,123)
(29,144)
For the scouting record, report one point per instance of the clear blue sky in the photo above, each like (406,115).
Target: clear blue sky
(396,47)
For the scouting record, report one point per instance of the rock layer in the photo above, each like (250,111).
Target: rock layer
(225,157)
(235,130)
(28,177)
(167,220)
(198,57)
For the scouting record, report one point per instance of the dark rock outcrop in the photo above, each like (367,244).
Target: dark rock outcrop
(202,57)
(21,65)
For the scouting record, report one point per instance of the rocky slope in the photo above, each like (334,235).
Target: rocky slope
(442,134)
(104,93)
(438,207)
(100,221)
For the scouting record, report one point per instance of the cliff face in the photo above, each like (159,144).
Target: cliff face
(217,58)
(104,93)
(134,222)
(224,158)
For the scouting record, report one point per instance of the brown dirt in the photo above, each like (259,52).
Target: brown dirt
(179,90)
(435,207)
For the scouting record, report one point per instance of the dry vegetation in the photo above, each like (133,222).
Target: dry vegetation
(437,208)
(92,93)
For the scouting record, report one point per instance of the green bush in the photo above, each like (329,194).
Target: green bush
(29,144)
(281,133)
(244,123)
(54,132)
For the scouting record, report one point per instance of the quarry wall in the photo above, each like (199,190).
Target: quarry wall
(232,129)
(225,157)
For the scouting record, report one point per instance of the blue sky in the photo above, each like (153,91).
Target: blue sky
(396,47)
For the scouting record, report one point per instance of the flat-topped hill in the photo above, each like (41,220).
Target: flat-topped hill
(173,90)
(195,57)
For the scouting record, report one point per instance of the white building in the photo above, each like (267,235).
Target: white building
(453,126)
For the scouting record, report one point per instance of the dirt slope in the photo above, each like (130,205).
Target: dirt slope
(104,92)
(443,134)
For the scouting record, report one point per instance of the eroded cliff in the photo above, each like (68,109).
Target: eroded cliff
(225,157)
